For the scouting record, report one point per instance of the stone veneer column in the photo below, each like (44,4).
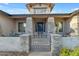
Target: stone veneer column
(25,38)
(29,25)
(55,38)
(25,43)
(51,25)
(55,44)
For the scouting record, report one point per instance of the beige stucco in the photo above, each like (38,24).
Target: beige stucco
(67,26)
(17,20)
(6,24)
(76,20)
(78,23)
(73,25)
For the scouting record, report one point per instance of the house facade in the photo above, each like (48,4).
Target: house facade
(40,20)
(38,31)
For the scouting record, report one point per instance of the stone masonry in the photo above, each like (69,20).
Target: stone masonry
(29,25)
(51,25)
(55,44)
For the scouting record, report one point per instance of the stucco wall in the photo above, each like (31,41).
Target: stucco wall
(67,26)
(10,44)
(70,42)
(73,25)
(15,43)
(64,42)
(16,23)
(6,24)
(78,23)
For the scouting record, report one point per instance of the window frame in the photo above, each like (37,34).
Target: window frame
(58,30)
(19,27)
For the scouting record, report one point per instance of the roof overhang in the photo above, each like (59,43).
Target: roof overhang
(40,15)
(29,5)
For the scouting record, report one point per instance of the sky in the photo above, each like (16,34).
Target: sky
(20,8)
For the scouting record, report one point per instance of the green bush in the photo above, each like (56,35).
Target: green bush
(64,52)
(68,52)
(75,52)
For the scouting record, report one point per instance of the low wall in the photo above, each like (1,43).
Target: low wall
(70,42)
(21,44)
(10,44)
(58,42)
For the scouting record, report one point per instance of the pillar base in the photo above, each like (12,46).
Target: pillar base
(25,42)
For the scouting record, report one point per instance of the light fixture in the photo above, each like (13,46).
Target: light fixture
(24,24)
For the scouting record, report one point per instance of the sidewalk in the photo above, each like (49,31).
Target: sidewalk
(40,54)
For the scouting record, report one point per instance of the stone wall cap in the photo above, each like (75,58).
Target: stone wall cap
(55,35)
(24,35)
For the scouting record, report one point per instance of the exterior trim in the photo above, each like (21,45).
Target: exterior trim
(57,14)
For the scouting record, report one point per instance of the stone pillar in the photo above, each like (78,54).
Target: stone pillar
(55,44)
(29,25)
(25,38)
(25,43)
(51,25)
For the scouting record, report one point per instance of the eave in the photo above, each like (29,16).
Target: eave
(39,15)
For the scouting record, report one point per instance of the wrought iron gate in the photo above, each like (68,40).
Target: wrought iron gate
(40,42)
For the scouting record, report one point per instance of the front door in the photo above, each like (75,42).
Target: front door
(40,27)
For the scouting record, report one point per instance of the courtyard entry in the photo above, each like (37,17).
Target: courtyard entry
(40,41)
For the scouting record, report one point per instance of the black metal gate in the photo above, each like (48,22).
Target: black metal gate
(40,42)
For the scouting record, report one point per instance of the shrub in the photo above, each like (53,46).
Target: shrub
(68,52)
(64,52)
(75,52)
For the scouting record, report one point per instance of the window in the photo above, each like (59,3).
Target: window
(21,26)
(59,27)
(40,10)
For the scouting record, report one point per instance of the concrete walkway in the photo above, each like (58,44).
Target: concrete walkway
(40,54)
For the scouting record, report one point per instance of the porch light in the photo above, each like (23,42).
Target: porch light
(24,24)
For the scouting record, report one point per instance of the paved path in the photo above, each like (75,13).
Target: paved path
(40,54)
(10,53)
